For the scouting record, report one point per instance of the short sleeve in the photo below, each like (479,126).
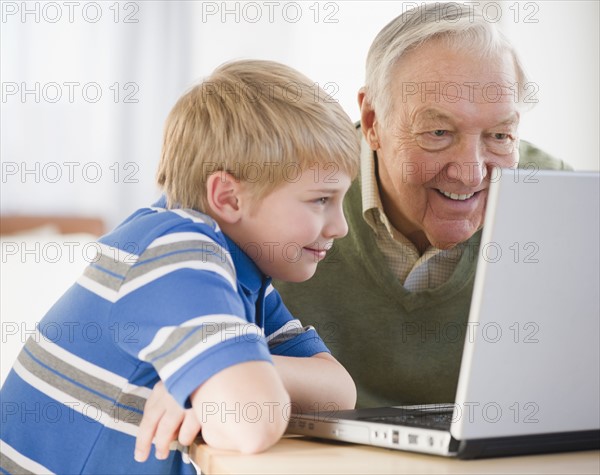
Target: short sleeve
(284,334)
(182,293)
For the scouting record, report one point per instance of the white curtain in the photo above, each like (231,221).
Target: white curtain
(83,101)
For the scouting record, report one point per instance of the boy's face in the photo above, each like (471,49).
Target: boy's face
(290,230)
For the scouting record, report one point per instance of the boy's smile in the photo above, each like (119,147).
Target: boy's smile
(319,253)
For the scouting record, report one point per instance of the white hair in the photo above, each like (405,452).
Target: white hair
(462,26)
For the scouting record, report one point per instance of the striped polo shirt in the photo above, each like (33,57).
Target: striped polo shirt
(168,297)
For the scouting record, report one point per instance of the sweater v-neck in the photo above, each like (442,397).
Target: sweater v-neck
(381,274)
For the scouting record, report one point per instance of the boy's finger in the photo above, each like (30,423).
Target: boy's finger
(146,431)
(143,441)
(142,448)
(189,429)
(166,432)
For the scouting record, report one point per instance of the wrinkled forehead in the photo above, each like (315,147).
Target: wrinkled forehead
(472,92)
(435,72)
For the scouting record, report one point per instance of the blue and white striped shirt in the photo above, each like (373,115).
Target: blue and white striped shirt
(168,297)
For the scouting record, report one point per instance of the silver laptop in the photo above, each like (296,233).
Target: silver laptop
(530,373)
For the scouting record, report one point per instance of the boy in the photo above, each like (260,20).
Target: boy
(254,167)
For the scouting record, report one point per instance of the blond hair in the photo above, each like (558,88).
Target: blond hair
(262,122)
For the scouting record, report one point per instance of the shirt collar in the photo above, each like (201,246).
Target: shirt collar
(161,203)
(249,276)
(372,206)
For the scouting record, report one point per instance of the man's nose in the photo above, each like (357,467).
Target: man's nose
(468,166)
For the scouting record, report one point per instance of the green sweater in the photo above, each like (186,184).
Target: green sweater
(400,347)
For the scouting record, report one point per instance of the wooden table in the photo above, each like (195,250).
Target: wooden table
(300,455)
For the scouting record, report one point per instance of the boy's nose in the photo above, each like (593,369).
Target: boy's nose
(336,226)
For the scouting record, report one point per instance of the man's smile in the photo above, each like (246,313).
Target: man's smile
(456,196)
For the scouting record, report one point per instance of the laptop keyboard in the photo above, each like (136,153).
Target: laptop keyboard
(416,418)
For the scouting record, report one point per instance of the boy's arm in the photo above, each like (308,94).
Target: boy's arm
(314,379)
(302,366)
(244,407)
(316,383)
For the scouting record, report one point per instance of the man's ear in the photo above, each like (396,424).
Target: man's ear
(223,194)
(367,120)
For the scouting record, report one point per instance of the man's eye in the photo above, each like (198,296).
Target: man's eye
(434,140)
(322,201)
(502,143)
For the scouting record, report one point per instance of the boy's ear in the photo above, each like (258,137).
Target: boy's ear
(223,194)
(367,120)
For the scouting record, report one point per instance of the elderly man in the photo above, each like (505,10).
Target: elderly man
(439,112)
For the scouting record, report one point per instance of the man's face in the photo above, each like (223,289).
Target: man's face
(454,118)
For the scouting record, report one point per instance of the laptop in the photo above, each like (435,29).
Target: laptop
(529,380)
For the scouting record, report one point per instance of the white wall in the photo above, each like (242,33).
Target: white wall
(87,156)
(560,52)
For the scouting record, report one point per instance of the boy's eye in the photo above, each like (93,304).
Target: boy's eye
(323,200)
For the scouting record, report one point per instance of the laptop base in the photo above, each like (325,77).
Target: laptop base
(380,427)
(529,444)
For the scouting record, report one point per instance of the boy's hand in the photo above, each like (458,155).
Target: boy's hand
(164,421)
